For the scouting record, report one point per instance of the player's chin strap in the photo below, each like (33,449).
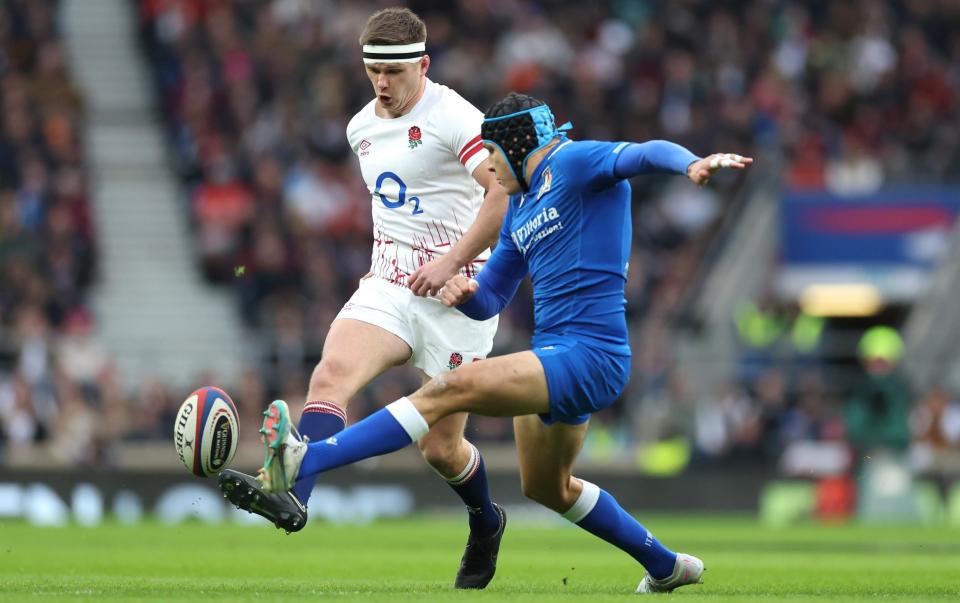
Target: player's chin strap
(519,135)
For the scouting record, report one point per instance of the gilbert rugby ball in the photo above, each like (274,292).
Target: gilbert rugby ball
(206,430)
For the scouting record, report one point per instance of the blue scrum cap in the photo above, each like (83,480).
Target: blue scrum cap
(519,125)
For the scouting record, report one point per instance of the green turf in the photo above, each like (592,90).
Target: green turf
(414,560)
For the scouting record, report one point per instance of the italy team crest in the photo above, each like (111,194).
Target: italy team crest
(547,181)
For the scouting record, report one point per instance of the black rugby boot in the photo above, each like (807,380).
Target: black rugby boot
(479,561)
(284,510)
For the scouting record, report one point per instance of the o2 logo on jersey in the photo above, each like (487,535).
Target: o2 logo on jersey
(401,194)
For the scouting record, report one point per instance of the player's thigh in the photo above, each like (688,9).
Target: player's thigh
(354,353)
(546,454)
(504,386)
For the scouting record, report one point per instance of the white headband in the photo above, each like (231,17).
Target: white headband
(394,53)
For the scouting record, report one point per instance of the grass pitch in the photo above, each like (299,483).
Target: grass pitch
(415,560)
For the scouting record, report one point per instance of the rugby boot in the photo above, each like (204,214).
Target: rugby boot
(687,570)
(285,449)
(479,561)
(284,510)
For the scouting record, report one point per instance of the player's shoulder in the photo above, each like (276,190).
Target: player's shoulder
(576,151)
(448,102)
(585,163)
(573,147)
(363,117)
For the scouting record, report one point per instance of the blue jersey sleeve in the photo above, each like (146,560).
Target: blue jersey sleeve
(652,157)
(499,278)
(594,165)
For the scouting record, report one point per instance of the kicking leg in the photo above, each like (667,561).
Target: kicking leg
(546,456)
(354,354)
(498,387)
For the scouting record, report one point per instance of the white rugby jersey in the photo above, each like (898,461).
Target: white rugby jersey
(418,169)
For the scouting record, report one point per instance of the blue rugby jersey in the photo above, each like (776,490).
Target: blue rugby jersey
(572,232)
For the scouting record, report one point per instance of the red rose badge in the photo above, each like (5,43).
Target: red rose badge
(414,134)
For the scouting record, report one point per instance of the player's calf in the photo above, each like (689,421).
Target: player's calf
(549,492)
(332,379)
(446,453)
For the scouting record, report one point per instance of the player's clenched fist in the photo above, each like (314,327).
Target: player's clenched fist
(458,290)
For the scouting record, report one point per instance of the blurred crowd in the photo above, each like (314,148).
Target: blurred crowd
(256,95)
(47,238)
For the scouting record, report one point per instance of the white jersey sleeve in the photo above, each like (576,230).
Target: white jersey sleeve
(462,130)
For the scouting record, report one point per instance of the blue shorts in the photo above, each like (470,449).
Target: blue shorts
(581,378)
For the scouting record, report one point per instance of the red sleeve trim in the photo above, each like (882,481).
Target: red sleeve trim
(471,152)
(467,148)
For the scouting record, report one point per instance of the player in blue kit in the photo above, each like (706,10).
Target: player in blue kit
(568,225)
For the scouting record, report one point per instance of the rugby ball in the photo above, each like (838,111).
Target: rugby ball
(206,430)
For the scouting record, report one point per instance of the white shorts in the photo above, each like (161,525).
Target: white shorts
(441,338)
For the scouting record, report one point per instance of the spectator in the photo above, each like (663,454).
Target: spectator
(47,250)
(935,431)
(813,417)
(876,413)
(722,421)
(79,355)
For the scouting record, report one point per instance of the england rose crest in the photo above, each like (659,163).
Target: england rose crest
(414,135)
(456,359)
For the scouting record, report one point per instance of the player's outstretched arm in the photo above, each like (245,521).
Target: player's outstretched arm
(661,156)
(429,278)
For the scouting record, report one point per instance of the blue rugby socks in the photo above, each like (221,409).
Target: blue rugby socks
(599,513)
(386,430)
(471,486)
(318,421)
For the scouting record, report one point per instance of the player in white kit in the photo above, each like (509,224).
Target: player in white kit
(437,208)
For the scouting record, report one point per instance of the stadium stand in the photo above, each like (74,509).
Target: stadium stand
(49,367)
(256,96)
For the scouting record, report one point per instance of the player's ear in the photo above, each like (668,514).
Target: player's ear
(424,64)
